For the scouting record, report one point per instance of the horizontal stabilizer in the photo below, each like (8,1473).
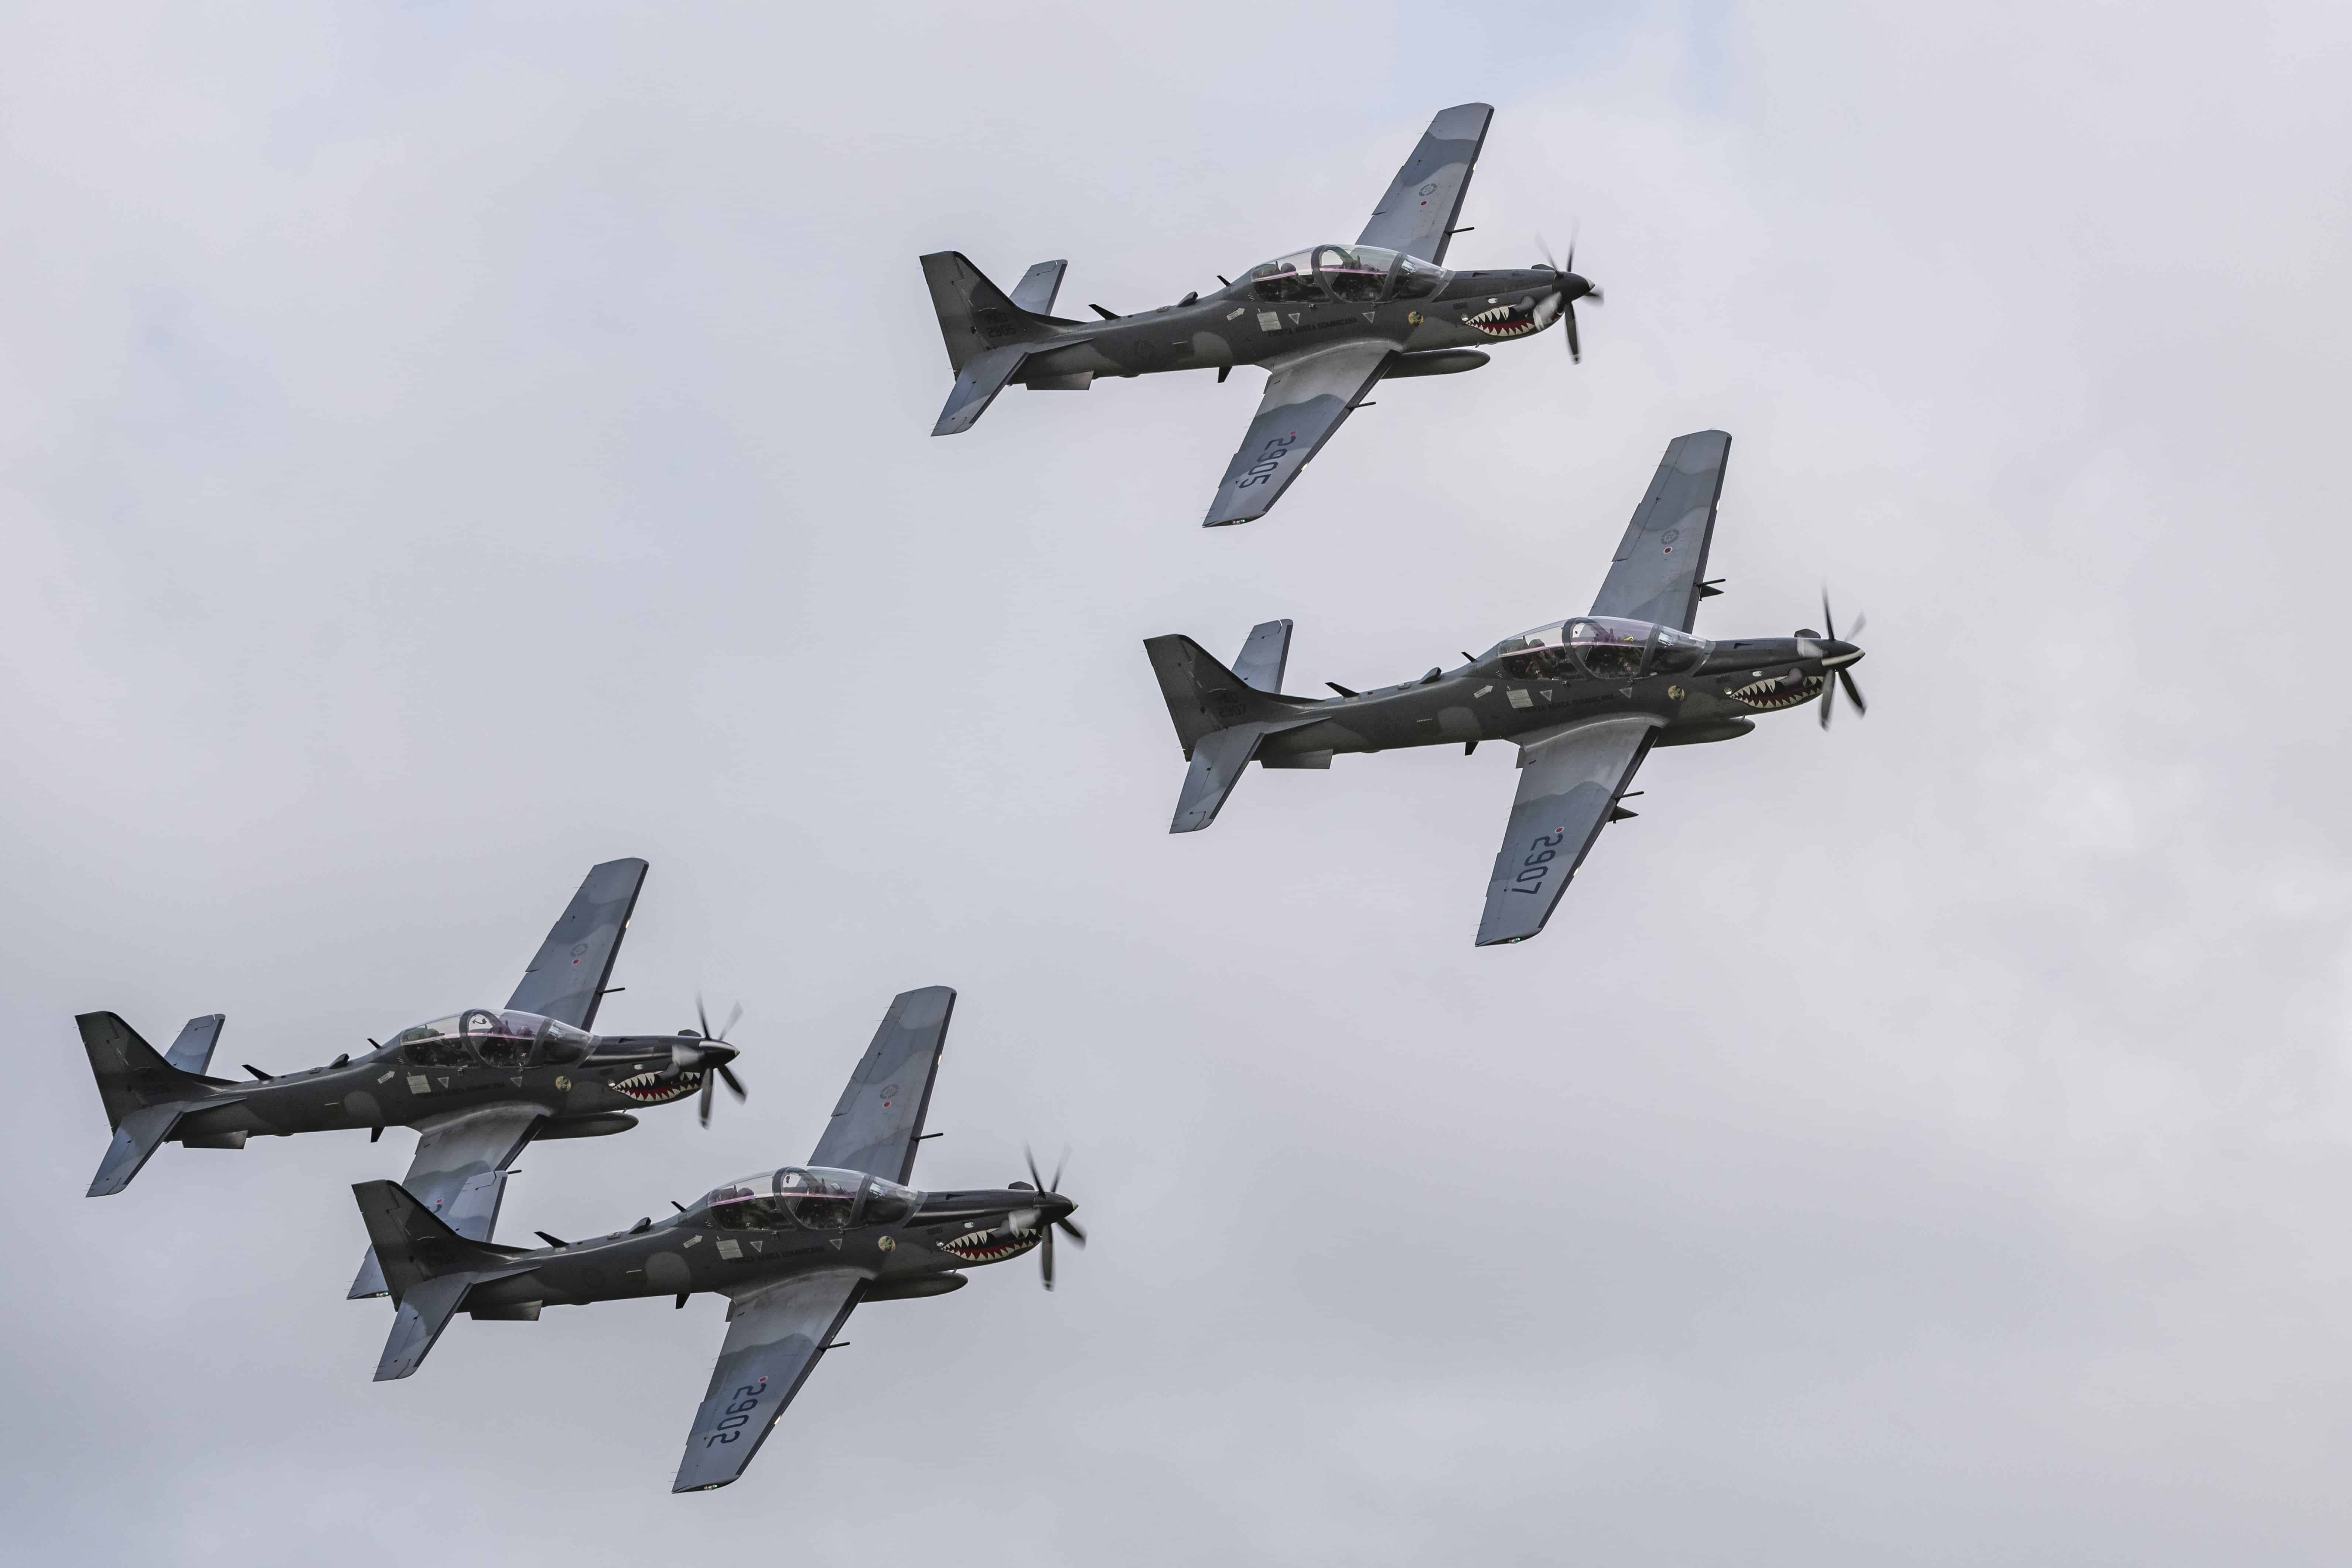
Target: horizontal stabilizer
(1218,763)
(976,386)
(1264,657)
(142,1133)
(417,1322)
(1039,287)
(192,1051)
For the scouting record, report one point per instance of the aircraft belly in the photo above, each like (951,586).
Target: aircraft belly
(223,1120)
(1078,359)
(1325,735)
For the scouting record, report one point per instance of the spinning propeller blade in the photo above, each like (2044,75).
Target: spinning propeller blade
(712,1064)
(1844,676)
(1061,1222)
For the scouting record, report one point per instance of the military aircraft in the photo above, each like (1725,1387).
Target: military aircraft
(794,1251)
(478,1085)
(1584,699)
(1328,322)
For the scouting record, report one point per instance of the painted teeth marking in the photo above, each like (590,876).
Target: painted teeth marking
(646,1088)
(1778,691)
(984,1246)
(1502,321)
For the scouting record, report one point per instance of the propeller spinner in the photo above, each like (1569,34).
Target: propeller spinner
(1572,289)
(701,1050)
(1061,1221)
(1844,674)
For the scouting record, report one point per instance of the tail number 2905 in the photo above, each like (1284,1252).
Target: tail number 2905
(1269,461)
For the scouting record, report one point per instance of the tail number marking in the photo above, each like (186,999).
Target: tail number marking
(738,1413)
(1269,463)
(1537,865)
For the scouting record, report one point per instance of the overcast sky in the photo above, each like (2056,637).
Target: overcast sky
(444,446)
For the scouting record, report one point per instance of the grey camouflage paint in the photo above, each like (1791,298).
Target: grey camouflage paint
(1326,354)
(789,1289)
(1581,736)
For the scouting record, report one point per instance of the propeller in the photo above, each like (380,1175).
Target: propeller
(1844,674)
(1570,287)
(713,1060)
(1060,1222)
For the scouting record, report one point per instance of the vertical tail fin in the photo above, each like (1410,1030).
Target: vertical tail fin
(1203,696)
(975,316)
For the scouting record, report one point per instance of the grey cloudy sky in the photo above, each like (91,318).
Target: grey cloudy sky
(444,446)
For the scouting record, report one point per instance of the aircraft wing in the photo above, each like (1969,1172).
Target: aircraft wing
(459,1174)
(566,981)
(876,1127)
(1569,785)
(1417,215)
(1306,397)
(1662,561)
(776,1336)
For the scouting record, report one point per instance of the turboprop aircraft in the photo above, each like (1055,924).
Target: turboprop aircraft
(478,1084)
(1328,322)
(1584,699)
(793,1250)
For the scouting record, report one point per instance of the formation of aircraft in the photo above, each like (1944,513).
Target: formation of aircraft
(1584,699)
(1329,321)
(796,1249)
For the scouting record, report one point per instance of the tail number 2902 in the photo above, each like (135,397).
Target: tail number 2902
(738,1412)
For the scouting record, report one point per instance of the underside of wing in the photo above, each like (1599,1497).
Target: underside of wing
(774,1339)
(566,981)
(1305,398)
(1568,787)
(1661,563)
(1417,214)
(459,1174)
(876,1127)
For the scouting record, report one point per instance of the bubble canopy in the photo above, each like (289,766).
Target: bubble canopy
(1600,646)
(485,1037)
(808,1198)
(1359,274)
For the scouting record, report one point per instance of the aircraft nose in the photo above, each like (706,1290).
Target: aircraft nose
(1836,655)
(716,1055)
(1576,286)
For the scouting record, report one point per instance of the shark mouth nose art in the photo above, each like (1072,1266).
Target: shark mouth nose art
(1777,691)
(1508,321)
(649,1088)
(990,1246)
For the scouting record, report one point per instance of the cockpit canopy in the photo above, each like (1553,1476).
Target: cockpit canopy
(481,1036)
(1358,274)
(1600,646)
(809,1197)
